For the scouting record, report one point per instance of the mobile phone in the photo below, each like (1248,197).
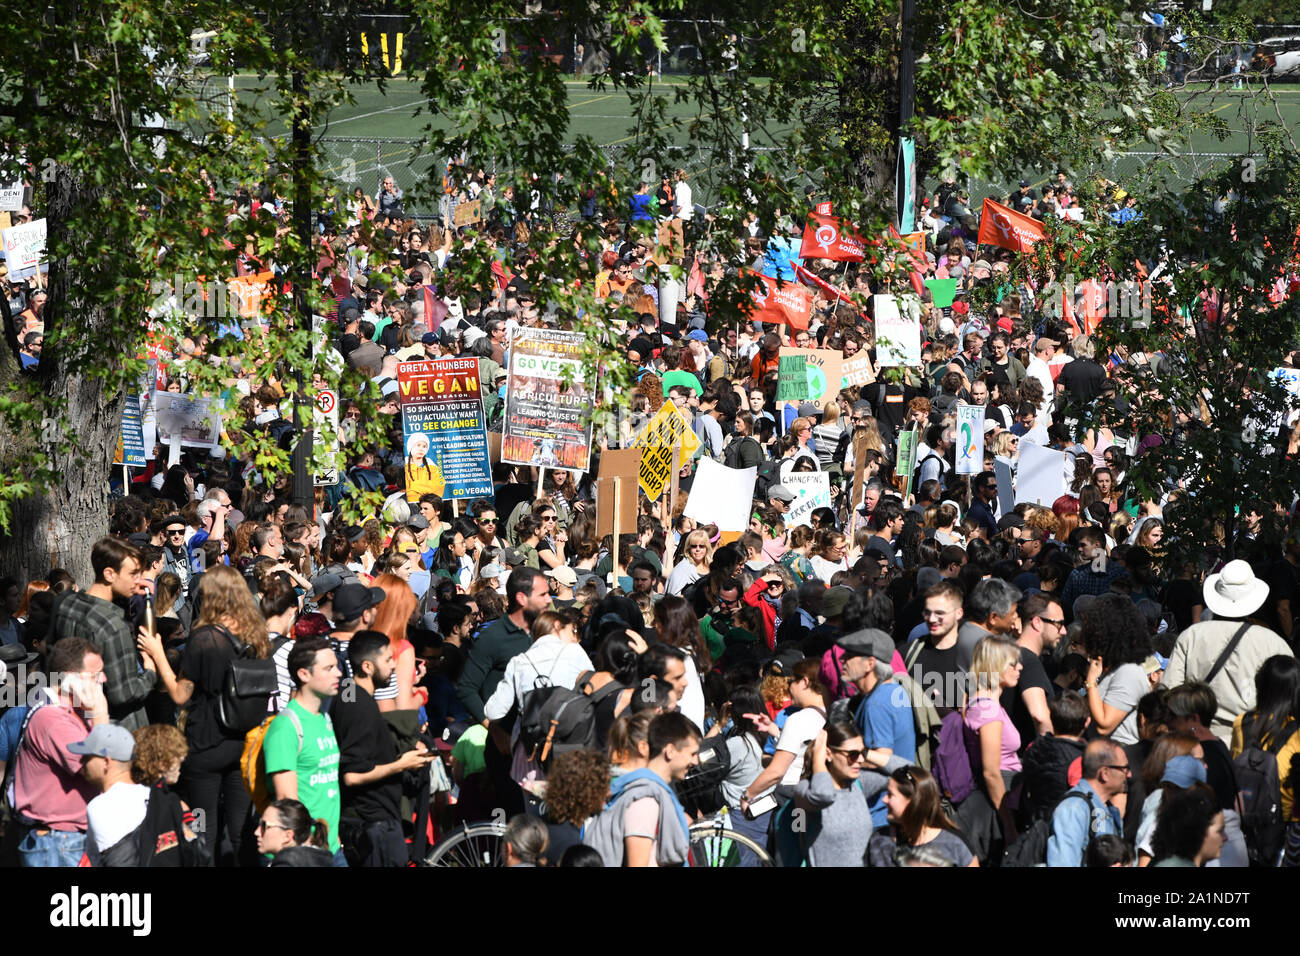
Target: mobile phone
(760,806)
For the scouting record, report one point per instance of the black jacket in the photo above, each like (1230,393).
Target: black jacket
(1046,769)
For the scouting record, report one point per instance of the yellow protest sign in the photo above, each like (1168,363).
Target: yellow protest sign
(667,437)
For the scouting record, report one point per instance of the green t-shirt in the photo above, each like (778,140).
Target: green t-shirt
(315,761)
(469,750)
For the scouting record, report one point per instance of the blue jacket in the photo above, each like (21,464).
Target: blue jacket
(1074,826)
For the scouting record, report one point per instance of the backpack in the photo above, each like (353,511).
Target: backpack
(10,812)
(246,690)
(160,838)
(555,720)
(769,474)
(1259,799)
(731,454)
(1030,848)
(951,764)
(701,790)
(252,768)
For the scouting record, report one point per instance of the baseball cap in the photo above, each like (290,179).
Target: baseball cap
(1012,520)
(106,740)
(324,583)
(418,521)
(780,493)
(809,410)
(565,575)
(354,599)
(1182,771)
(513,557)
(1006,325)
(491,571)
(429,338)
(361,281)
(697,335)
(1024,184)
(834,601)
(982,264)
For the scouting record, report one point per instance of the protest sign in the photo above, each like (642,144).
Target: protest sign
(666,443)
(549,396)
(1006,485)
(468,213)
(721,496)
(621,466)
(792,378)
(905,466)
(325,436)
(785,303)
(905,186)
(1040,477)
(130,442)
(1000,226)
(942,291)
(443,429)
(825,237)
(857,370)
(970,439)
(23,247)
(812,490)
(193,421)
(251,296)
(11,197)
(898,334)
(822,372)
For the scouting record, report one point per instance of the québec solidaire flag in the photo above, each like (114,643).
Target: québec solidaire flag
(786,304)
(825,237)
(1000,226)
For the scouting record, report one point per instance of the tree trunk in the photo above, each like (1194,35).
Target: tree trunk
(57,525)
(869,107)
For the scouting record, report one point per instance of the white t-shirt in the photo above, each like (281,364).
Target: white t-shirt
(113,814)
(685,206)
(801,728)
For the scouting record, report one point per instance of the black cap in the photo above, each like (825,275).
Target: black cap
(353,599)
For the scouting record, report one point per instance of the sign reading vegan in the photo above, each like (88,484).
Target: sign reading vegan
(825,237)
(443,429)
(549,396)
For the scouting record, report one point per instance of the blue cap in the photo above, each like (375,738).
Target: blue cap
(697,335)
(1184,771)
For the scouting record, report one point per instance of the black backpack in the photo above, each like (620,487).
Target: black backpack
(1030,848)
(160,838)
(555,720)
(246,690)
(769,474)
(1259,799)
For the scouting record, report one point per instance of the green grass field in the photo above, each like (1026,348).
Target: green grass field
(379,134)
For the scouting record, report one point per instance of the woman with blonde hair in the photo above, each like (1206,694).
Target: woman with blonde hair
(995,666)
(391,619)
(229,625)
(827,433)
(1006,445)
(693,565)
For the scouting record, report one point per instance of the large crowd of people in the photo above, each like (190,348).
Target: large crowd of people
(924,672)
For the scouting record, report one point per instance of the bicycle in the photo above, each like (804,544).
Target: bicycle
(714,845)
(480,845)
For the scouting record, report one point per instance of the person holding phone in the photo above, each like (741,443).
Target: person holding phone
(775,785)
(49,789)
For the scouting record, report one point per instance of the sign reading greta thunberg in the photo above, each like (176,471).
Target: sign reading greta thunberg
(443,429)
(549,396)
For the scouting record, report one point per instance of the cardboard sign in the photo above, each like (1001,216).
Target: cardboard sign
(721,496)
(822,368)
(898,335)
(970,439)
(812,490)
(467,213)
(666,443)
(444,429)
(792,378)
(857,370)
(620,466)
(1040,478)
(549,396)
(825,237)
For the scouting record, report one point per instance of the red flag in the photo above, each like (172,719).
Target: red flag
(786,304)
(825,237)
(1000,226)
(810,278)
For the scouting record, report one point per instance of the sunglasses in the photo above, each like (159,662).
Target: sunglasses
(853,756)
(175,531)
(487,520)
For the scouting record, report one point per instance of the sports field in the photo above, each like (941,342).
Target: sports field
(381,133)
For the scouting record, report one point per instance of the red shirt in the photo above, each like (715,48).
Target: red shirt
(48,785)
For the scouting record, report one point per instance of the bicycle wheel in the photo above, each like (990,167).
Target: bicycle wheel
(716,846)
(470,845)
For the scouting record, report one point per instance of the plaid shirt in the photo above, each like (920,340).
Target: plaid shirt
(1085,580)
(104,624)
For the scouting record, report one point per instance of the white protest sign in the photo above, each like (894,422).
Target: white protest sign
(1040,479)
(1006,485)
(23,246)
(11,196)
(195,420)
(812,490)
(898,334)
(721,496)
(970,439)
